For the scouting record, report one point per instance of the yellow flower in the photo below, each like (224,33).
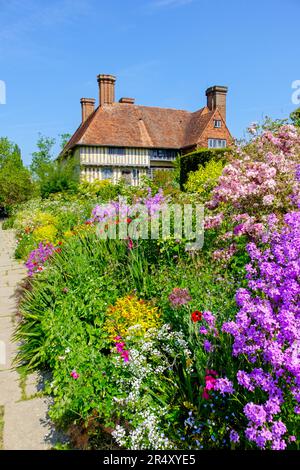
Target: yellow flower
(131,317)
(44,218)
(68,234)
(45,233)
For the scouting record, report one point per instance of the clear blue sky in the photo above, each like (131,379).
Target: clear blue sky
(163,52)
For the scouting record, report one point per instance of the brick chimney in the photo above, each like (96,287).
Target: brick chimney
(216,98)
(126,100)
(87,108)
(106,89)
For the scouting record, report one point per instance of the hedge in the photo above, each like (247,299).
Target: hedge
(191,161)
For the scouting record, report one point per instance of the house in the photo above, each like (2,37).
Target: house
(124,140)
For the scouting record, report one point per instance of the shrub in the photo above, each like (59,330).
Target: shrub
(15,182)
(45,233)
(191,161)
(104,189)
(130,316)
(204,179)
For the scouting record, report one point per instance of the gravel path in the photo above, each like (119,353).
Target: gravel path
(26,425)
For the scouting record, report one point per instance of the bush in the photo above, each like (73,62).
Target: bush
(61,176)
(15,182)
(204,179)
(191,161)
(130,316)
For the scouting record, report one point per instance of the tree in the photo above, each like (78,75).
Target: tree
(64,139)
(295,117)
(15,181)
(42,159)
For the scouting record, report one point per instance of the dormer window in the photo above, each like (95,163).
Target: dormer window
(217,123)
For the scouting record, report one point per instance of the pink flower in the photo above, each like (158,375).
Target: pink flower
(74,374)
(125,355)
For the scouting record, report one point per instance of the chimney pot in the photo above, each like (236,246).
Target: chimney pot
(87,108)
(106,89)
(126,100)
(216,98)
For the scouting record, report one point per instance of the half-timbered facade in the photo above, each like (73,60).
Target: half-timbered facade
(121,140)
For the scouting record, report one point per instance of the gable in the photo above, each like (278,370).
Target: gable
(213,132)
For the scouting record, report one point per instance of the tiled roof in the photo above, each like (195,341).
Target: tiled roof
(129,125)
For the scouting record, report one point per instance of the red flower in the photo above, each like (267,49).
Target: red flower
(211,372)
(210,382)
(196,316)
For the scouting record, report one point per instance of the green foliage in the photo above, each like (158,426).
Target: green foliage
(191,161)
(62,329)
(165,179)
(204,179)
(41,163)
(15,182)
(53,176)
(1,426)
(61,176)
(64,139)
(104,190)
(295,117)
(147,384)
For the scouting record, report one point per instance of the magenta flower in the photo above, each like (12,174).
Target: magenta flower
(74,374)
(38,257)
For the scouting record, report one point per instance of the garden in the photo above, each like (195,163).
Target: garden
(150,345)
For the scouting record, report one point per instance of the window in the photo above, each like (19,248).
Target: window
(106,173)
(157,154)
(216,143)
(116,150)
(217,123)
(135,173)
(126,176)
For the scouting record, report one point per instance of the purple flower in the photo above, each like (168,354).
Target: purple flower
(255,413)
(265,332)
(278,429)
(207,345)
(38,257)
(209,318)
(297,173)
(224,386)
(234,436)
(203,330)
